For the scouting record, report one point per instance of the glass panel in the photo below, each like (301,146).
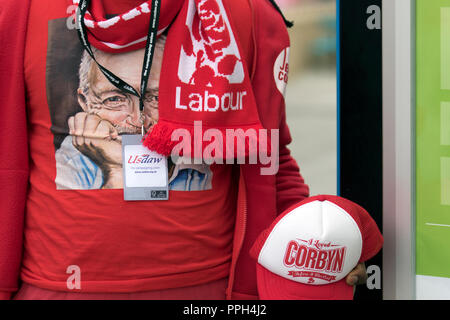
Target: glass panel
(311,92)
(433,139)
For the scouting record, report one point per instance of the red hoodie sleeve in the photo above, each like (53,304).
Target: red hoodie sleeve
(287,187)
(13,142)
(268,23)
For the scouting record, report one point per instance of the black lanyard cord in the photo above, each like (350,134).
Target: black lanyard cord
(149,51)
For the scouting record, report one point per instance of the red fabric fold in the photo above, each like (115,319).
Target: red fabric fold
(14,166)
(128,31)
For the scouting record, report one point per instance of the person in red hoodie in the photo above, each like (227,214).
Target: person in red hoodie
(82,240)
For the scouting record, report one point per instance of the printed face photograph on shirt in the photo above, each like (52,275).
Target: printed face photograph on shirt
(88,132)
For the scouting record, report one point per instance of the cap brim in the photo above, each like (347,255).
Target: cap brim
(274,287)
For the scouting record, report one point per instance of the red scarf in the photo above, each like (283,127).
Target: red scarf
(204,76)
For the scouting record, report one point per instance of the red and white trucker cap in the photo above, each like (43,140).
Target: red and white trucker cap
(311,247)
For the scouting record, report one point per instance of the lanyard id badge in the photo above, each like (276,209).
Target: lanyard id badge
(145,172)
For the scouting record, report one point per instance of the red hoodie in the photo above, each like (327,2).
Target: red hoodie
(263,35)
